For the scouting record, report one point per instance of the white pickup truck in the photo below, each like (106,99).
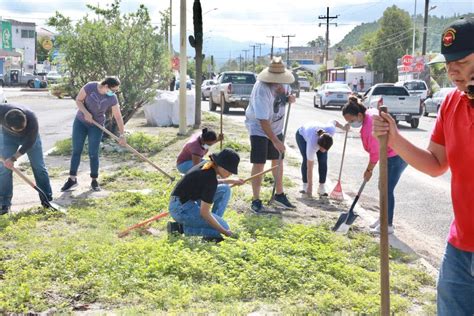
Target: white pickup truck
(400,105)
(233,89)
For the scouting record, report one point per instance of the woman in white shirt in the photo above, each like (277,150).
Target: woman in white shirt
(315,139)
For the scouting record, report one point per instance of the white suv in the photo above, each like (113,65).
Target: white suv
(415,88)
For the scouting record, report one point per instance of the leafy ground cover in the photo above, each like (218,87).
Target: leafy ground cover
(77,262)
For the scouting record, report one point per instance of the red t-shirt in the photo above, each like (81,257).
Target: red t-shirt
(454,130)
(192,147)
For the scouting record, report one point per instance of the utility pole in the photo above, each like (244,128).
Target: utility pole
(183,60)
(288,50)
(271,51)
(414,33)
(260,48)
(245,60)
(425,27)
(327,18)
(171,28)
(240,61)
(253,60)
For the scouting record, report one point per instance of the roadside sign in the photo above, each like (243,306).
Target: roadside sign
(407,60)
(6,35)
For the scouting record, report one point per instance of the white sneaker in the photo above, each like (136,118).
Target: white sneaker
(322,189)
(304,188)
(375,224)
(376,230)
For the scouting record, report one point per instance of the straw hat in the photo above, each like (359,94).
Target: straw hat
(276,73)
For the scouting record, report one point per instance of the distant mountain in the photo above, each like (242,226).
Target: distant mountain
(436,26)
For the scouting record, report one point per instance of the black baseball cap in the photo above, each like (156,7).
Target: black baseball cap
(227,159)
(457,41)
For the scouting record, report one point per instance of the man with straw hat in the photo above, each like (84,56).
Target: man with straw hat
(451,147)
(265,117)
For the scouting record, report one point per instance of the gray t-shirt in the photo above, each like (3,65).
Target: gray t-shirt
(265,104)
(97,104)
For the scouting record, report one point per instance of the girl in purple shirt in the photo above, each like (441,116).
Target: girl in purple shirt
(93,101)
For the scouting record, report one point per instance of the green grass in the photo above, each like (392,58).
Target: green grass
(63,148)
(51,261)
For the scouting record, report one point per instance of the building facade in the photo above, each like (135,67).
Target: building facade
(22,54)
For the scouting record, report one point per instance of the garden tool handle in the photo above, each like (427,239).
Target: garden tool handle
(133,150)
(342,159)
(21,175)
(143,223)
(256,175)
(384,245)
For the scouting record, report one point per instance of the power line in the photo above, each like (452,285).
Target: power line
(327,17)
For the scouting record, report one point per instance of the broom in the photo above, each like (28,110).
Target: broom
(336,193)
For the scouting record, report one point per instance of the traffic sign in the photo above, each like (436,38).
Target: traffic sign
(407,60)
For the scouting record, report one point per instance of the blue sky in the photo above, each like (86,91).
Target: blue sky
(246,20)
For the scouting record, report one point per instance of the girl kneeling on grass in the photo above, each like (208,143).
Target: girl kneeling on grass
(357,115)
(196,148)
(315,139)
(191,199)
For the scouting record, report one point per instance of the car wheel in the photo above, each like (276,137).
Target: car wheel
(298,94)
(314,102)
(415,122)
(212,105)
(203,97)
(321,103)
(224,105)
(31,84)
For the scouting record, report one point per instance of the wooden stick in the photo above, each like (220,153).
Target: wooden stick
(342,159)
(256,175)
(133,150)
(151,219)
(384,245)
(222,113)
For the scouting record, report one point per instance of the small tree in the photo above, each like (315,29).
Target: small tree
(127,46)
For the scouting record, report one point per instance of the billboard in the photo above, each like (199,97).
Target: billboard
(6,35)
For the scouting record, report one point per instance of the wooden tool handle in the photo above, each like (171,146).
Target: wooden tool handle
(384,245)
(342,159)
(257,175)
(133,150)
(151,219)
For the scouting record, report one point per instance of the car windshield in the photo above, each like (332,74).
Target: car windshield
(334,86)
(391,90)
(415,85)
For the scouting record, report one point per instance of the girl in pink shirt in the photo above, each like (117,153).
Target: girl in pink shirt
(357,116)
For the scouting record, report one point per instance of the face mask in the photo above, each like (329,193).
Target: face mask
(205,146)
(356,124)
(110,93)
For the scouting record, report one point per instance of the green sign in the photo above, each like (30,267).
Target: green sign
(6,35)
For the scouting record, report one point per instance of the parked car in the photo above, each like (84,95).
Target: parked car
(233,89)
(415,88)
(304,84)
(331,94)
(431,105)
(16,77)
(295,86)
(401,106)
(206,88)
(189,85)
(53,77)
(3,98)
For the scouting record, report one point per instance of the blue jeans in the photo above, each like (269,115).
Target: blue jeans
(396,166)
(185,166)
(456,283)
(80,131)
(189,214)
(9,144)
(322,161)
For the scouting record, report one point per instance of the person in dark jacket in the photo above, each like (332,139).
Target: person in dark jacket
(19,135)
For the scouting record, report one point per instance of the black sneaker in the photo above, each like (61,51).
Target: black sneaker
(282,201)
(212,239)
(95,186)
(69,185)
(174,227)
(257,206)
(5,210)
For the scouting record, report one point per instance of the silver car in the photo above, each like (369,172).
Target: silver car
(206,88)
(431,105)
(332,94)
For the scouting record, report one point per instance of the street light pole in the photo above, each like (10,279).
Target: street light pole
(414,29)
(182,69)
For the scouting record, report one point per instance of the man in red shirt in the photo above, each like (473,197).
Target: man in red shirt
(451,146)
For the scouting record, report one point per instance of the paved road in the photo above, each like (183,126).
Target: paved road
(423,204)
